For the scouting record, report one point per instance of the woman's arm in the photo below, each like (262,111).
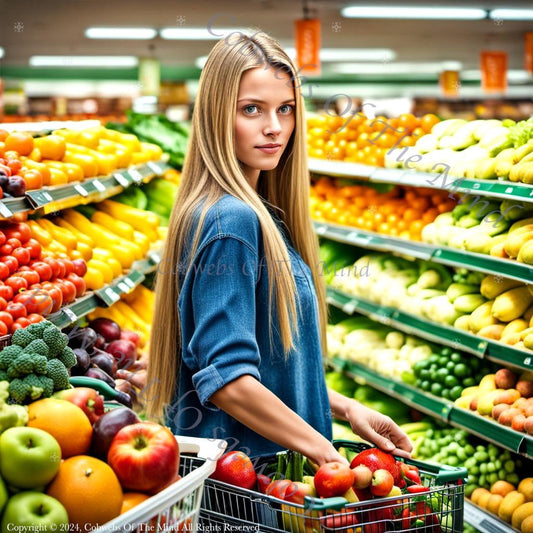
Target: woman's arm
(252,404)
(370,425)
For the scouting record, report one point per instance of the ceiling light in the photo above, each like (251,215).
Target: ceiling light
(1,52)
(328,55)
(418,12)
(197,34)
(395,68)
(84,61)
(511,14)
(120,33)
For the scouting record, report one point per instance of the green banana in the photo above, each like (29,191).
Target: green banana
(458,289)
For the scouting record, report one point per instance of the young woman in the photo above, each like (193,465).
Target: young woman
(238,337)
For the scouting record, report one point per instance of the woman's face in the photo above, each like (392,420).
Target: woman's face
(265,119)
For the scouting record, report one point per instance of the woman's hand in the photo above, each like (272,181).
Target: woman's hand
(370,425)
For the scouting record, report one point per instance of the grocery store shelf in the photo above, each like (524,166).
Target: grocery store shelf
(50,199)
(438,254)
(396,176)
(484,521)
(438,333)
(445,410)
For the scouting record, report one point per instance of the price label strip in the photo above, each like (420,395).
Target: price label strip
(123,287)
(108,295)
(81,190)
(5,211)
(98,185)
(70,314)
(129,282)
(135,175)
(154,167)
(39,198)
(122,180)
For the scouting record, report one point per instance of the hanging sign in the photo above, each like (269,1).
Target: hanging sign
(529,52)
(493,72)
(450,83)
(308,46)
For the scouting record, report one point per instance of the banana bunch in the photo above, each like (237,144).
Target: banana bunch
(522,168)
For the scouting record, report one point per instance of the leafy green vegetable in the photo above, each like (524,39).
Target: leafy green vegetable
(521,132)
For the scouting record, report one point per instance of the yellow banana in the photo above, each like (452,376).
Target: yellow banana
(41,235)
(123,229)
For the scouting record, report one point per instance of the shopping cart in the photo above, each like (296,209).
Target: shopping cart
(437,510)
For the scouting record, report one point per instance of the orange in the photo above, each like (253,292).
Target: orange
(3,135)
(88,489)
(51,147)
(33,179)
(428,121)
(408,121)
(19,142)
(64,421)
(131,499)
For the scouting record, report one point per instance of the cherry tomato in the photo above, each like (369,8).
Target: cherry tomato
(22,255)
(16,310)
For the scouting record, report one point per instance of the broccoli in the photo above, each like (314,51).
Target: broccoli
(59,374)
(8,355)
(22,337)
(38,346)
(55,340)
(30,388)
(26,363)
(37,329)
(67,357)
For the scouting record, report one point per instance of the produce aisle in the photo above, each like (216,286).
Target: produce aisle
(426,249)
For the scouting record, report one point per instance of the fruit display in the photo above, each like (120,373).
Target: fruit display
(503,396)
(498,228)
(392,210)
(13,179)
(357,138)
(37,362)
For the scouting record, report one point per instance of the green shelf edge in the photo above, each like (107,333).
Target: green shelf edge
(495,188)
(447,256)
(484,521)
(445,410)
(13,206)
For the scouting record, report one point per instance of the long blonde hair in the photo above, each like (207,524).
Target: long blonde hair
(211,170)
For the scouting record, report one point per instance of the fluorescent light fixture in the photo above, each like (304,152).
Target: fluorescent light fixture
(120,33)
(395,68)
(1,52)
(329,55)
(511,14)
(516,76)
(198,34)
(84,61)
(414,12)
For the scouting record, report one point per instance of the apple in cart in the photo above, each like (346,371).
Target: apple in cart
(29,457)
(235,468)
(333,479)
(34,511)
(144,456)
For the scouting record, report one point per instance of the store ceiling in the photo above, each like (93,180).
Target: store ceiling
(56,27)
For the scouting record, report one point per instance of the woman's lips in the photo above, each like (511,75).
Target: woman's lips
(269,148)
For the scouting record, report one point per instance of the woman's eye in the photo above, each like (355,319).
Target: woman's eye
(250,109)
(286,109)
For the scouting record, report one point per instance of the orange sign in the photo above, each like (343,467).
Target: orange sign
(493,72)
(449,83)
(308,46)
(529,52)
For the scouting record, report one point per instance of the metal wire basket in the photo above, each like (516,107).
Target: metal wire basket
(437,510)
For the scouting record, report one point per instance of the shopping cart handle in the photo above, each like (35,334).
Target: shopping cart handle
(451,473)
(323,504)
(97,384)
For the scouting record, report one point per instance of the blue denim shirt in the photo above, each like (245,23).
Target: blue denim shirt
(223,308)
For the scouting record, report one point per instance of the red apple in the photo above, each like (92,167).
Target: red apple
(363,477)
(297,491)
(279,488)
(125,352)
(91,403)
(333,479)
(80,267)
(144,456)
(235,468)
(127,335)
(78,282)
(262,483)
(382,482)
(375,459)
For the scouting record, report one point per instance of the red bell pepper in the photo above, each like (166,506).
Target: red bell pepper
(416,489)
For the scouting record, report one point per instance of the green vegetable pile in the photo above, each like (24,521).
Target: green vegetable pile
(171,136)
(10,415)
(522,132)
(446,373)
(37,363)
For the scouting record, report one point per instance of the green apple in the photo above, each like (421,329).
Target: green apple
(34,511)
(29,457)
(4,495)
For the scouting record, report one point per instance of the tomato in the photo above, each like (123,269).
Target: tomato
(68,289)
(22,255)
(21,323)
(34,318)
(38,301)
(6,292)
(3,329)
(4,169)
(3,303)
(29,275)
(79,283)
(6,249)
(13,241)
(20,231)
(62,269)
(11,263)
(17,283)
(16,310)
(56,294)
(277,489)
(19,142)
(7,319)
(4,271)
(54,265)
(34,247)
(3,238)
(15,165)
(43,269)
(69,267)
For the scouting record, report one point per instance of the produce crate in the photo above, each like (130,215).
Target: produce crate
(439,510)
(175,508)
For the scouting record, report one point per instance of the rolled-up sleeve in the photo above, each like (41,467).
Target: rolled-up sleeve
(223,344)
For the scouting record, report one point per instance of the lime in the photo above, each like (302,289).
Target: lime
(455,357)
(424,374)
(461,370)
(450,365)
(436,389)
(433,358)
(469,382)
(451,381)
(445,394)
(446,351)
(425,385)
(442,373)
(455,392)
